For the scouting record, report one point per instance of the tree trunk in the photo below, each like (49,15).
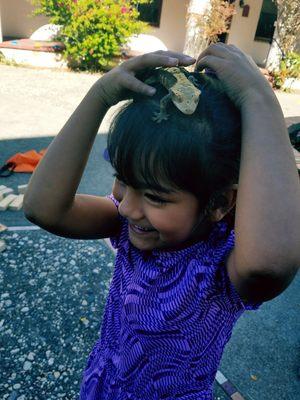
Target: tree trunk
(275,54)
(195,40)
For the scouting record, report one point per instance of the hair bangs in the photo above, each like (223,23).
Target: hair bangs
(140,150)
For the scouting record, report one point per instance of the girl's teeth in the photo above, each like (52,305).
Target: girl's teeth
(142,229)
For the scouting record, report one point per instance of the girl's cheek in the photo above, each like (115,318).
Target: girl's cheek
(160,219)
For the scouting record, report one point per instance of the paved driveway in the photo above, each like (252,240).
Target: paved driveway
(53,289)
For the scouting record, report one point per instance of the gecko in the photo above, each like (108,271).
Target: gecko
(182,91)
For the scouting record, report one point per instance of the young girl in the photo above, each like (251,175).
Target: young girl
(183,275)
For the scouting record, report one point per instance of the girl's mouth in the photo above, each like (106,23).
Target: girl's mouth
(140,230)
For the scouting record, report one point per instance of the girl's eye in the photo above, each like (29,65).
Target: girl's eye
(155,199)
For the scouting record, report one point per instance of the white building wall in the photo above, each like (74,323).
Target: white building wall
(16,19)
(172,24)
(242,32)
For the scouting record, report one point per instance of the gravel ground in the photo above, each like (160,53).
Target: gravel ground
(38,102)
(50,312)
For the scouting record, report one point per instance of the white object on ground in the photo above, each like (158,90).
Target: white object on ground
(22,189)
(17,204)
(143,44)
(6,201)
(6,192)
(292,84)
(2,246)
(3,228)
(46,32)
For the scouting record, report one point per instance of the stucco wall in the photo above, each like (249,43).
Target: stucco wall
(172,24)
(13,21)
(242,32)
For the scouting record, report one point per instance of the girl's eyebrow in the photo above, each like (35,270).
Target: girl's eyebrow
(160,190)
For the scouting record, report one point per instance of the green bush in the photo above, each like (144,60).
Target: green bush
(289,68)
(93,31)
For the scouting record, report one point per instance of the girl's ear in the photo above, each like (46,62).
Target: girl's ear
(117,190)
(223,204)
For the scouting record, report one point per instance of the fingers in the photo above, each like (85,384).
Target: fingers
(183,59)
(157,59)
(210,62)
(135,85)
(217,49)
(220,52)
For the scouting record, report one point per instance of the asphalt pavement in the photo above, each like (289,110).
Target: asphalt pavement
(53,289)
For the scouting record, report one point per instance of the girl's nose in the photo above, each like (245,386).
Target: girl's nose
(131,205)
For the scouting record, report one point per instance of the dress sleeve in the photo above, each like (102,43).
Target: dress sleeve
(116,240)
(229,293)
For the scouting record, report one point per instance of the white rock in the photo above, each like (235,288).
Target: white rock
(24,309)
(46,32)
(56,374)
(27,365)
(31,356)
(16,386)
(51,361)
(142,43)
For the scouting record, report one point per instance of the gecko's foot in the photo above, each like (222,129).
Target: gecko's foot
(158,117)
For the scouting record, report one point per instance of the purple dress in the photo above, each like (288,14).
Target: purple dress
(167,319)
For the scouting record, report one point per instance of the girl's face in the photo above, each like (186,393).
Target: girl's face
(157,220)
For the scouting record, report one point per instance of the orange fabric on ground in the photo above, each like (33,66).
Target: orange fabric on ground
(26,162)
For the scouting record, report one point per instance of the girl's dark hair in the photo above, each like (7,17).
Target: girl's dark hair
(198,153)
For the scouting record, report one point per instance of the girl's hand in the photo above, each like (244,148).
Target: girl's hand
(116,84)
(240,75)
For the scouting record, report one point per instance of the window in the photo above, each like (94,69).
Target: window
(265,27)
(150,12)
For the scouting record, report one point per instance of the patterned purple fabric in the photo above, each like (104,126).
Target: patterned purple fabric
(167,318)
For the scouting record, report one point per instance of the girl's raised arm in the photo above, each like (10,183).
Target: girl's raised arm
(267,225)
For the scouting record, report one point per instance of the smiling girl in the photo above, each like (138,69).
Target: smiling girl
(204,214)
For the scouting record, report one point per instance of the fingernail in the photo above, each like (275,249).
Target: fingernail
(151,91)
(188,58)
(173,60)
